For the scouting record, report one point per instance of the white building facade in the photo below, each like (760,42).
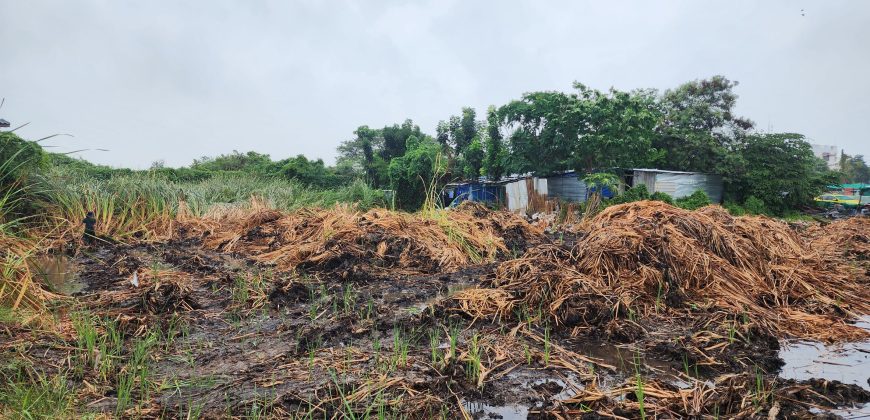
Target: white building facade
(830,154)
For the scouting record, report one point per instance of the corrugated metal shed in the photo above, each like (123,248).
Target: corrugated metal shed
(679,184)
(476,191)
(567,187)
(525,194)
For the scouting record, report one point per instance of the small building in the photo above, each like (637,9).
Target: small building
(526,194)
(568,186)
(517,193)
(677,184)
(530,194)
(4,123)
(480,191)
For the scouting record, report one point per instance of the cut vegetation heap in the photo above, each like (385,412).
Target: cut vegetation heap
(343,239)
(649,258)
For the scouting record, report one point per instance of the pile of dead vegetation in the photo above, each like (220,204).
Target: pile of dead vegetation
(654,260)
(343,237)
(848,236)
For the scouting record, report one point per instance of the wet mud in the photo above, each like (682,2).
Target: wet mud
(240,338)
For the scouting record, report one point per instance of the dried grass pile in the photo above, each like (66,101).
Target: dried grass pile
(849,236)
(341,237)
(154,292)
(650,258)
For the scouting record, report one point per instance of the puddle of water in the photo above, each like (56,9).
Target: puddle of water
(848,363)
(508,412)
(58,273)
(623,359)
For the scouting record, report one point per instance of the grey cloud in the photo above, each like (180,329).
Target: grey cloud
(177,80)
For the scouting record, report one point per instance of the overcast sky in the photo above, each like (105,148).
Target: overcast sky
(176,80)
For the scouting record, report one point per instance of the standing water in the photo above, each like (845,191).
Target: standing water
(848,363)
(57,272)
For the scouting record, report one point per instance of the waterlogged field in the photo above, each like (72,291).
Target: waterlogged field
(643,311)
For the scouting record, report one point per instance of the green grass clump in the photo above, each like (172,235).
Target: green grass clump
(36,398)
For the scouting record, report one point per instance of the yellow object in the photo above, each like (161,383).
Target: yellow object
(845,200)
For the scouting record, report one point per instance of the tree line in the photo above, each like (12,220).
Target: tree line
(692,127)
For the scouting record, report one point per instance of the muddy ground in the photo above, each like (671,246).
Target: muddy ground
(225,337)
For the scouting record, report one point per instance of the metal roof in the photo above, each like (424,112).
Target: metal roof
(662,171)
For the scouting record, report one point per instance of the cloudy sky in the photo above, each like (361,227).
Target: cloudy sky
(176,80)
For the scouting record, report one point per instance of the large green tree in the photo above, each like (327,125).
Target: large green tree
(495,153)
(853,169)
(395,137)
(417,170)
(472,159)
(780,169)
(313,173)
(699,128)
(585,131)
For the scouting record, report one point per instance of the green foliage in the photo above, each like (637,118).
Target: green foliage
(493,162)
(412,173)
(754,205)
(735,209)
(699,127)
(250,162)
(854,170)
(18,157)
(124,203)
(636,193)
(395,138)
(779,169)
(639,193)
(42,397)
(662,196)
(313,173)
(472,159)
(20,160)
(695,201)
(584,131)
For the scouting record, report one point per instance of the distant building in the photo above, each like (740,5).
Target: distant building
(829,154)
(530,194)
(4,123)
(677,184)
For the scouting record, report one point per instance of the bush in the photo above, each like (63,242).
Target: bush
(695,201)
(734,209)
(662,196)
(754,205)
(632,194)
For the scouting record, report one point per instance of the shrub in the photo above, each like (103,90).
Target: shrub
(632,194)
(695,201)
(662,196)
(734,208)
(754,205)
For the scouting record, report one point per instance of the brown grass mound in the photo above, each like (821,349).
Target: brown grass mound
(850,237)
(340,237)
(651,258)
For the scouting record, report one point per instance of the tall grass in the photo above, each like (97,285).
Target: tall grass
(139,204)
(16,280)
